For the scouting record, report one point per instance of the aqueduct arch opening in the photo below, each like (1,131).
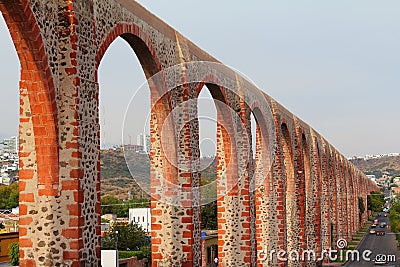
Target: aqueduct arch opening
(38,129)
(291,216)
(10,80)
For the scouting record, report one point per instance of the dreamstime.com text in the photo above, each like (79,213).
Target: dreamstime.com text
(326,254)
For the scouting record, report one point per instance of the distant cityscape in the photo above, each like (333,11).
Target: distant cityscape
(9,161)
(142,144)
(377,156)
(386,178)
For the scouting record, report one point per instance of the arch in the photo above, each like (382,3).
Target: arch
(331,195)
(232,180)
(263,155)
(139,42)
(290,189)
(351,200)
(288,159)
(226,150)
(326,201)
(260,171)
(308,190)
(164,174)
(319,200)
(150,63)
(206,125)
(354,200)
(335,196)
(10,77)
(229,206)
(264,196)
(346,199)
(207,121)
(38,124)
(342,198)
(37,88)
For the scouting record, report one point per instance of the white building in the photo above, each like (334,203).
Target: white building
(372,177)
(10,145)
(379,156)
(142,217)
(144,141)
(15,210)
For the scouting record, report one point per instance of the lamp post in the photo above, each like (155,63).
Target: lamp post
(116,240)
(116,247)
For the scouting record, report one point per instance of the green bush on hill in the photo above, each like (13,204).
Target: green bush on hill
(9,196)
(375,201)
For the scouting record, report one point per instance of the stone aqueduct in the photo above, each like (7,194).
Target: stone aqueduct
(308,197)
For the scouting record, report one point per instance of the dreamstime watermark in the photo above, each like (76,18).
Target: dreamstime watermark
(173,122)
(340,254)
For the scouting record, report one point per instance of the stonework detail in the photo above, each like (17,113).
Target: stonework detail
(297,192)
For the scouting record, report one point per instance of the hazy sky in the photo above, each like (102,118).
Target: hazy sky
(335,64)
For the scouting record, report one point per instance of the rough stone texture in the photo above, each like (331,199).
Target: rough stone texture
(297,183)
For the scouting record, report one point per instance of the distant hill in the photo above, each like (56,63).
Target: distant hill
(377,167)
(116,179)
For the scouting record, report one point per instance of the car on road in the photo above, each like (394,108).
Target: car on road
(373,225)
(372,231)
(380,261)
(376,222)
(382,224)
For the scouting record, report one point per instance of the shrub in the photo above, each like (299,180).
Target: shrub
(129,254)
(14,254)
(146,251)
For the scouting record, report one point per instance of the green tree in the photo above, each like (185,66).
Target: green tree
(361,208)
(110,205)
(394,217)
(209,216)
(375,201)
(396,208)
(129,237)
(113,205)
(14,253)
(9,196)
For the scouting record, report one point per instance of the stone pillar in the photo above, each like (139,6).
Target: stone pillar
(275,198)
(325,200)
(234,218)
(313,234)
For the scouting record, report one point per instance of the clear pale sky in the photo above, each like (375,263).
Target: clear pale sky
(335,64)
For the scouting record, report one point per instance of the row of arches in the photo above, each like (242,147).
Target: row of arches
(321,191)
(272,192)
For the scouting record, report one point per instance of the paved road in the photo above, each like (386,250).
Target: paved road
(379,245)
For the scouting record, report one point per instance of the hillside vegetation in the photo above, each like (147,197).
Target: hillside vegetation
(389,165)
(116,179)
